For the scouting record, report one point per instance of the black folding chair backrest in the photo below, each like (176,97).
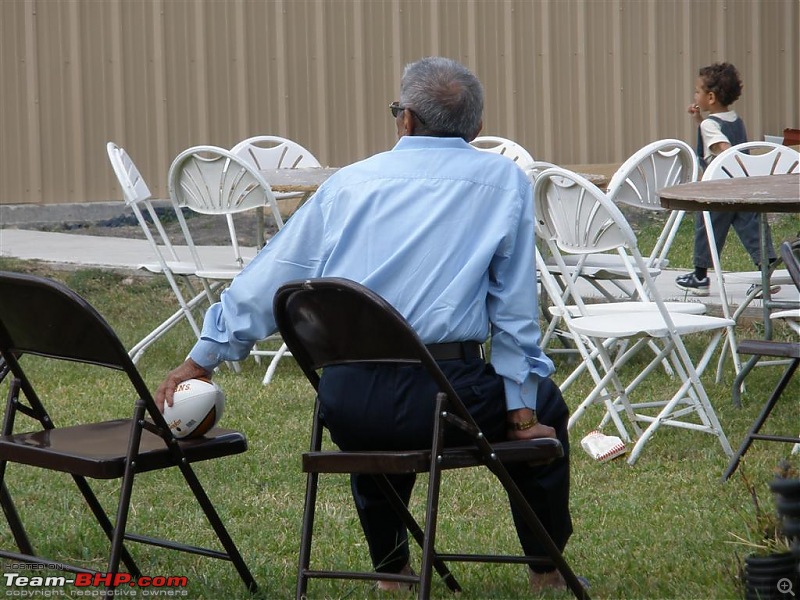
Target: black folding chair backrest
(335,321)
(42,317)
(790,252)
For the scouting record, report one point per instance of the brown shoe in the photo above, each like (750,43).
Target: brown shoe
(551,580)
(398,586)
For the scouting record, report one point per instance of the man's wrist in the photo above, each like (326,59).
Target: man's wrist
(522,420)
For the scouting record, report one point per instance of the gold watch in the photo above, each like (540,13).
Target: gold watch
(523,425)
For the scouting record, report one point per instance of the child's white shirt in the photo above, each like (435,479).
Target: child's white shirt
(712,133)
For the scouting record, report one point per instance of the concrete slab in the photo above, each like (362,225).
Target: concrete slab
(96,251)
(133,255)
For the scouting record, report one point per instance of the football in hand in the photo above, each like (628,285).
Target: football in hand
(196,407)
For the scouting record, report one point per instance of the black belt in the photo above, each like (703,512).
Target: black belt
(456,350)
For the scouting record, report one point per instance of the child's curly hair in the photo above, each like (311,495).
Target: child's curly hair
(722,79)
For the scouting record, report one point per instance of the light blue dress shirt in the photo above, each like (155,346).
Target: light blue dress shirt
(443,231)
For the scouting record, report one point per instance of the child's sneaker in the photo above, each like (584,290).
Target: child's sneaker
(690,283)
(759,292)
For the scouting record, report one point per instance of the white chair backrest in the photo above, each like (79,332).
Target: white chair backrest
(574,216)
(655,166)
(273,152)
(138,198)
(212,180)
(506,147)
(578,215)
(769,159)
(134,188)
(536,167)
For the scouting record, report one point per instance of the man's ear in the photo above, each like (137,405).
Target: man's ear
(478,131)
(409,123)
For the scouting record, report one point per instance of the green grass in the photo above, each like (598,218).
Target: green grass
(659,529)
(733,257)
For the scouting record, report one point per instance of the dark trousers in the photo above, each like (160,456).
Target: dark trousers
(390,407)
(745,224)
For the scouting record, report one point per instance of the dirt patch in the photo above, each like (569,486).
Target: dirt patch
(206,230)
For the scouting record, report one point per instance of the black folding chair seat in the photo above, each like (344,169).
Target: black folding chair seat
(99,450)
(44,318)
(539,451)
(334,321)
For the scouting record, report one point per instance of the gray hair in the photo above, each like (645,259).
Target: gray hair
(445,94)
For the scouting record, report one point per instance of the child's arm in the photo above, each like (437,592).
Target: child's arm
(719,147)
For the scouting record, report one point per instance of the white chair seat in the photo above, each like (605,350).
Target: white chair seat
(649,323)
(793,313)
(610,308)
(215,259)
(778,277)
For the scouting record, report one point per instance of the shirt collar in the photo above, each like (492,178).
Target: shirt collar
(416,142)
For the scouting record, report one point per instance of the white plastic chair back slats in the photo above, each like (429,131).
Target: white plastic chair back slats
(658,165)
(749,159)
(577,220)
(214,181)
(273,152)
(752,159)
(508,148)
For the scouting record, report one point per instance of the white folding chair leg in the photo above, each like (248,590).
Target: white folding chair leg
(282,351)
(701,405)
(616,402)
(185,312)
(726,311)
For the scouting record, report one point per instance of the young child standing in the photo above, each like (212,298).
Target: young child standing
(716,88)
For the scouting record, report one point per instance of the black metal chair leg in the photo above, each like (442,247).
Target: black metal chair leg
(762,417)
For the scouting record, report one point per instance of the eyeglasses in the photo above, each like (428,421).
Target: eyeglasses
(396,109)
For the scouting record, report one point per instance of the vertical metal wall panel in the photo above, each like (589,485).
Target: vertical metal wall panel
(19,174)
(574,81)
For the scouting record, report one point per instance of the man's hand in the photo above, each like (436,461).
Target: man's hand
(537,431)
(524,416)
(188,370)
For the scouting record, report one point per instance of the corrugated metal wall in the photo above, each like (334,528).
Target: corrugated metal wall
(574,81)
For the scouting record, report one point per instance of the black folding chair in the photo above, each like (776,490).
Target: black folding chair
(779,349)
(44,318)
(335,321)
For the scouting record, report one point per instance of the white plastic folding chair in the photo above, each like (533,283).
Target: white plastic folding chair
(168,261)
(636,183)
(585,221)
(746,160)
(214,181)
(508,148)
